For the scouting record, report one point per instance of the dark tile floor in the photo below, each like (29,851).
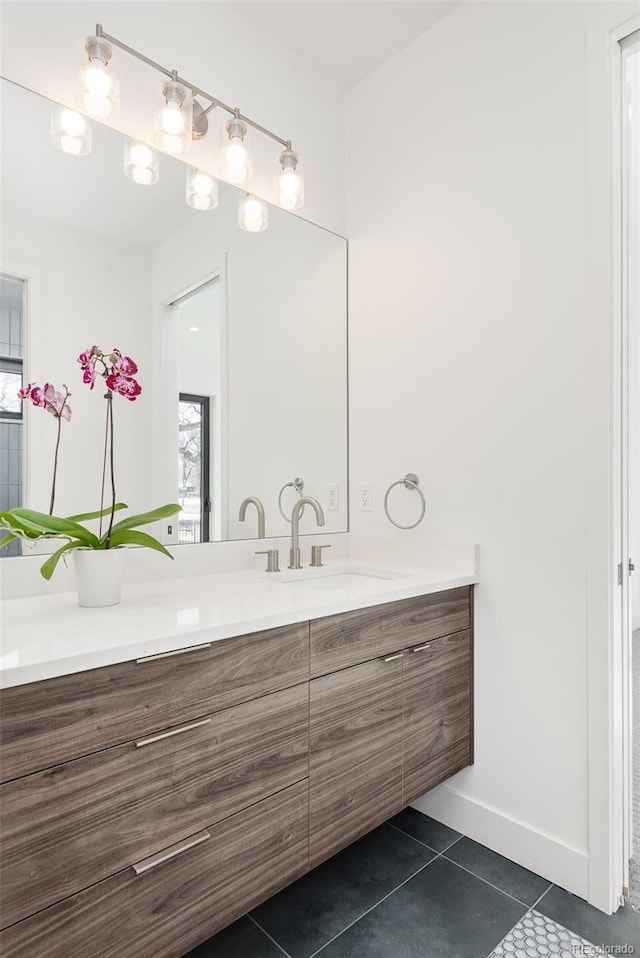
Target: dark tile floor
(414,888)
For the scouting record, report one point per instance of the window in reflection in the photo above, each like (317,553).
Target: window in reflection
(11,428)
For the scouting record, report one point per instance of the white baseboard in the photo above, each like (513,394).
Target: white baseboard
(558,863)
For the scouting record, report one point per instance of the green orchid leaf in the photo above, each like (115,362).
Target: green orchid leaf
(52,525)
(48,568)
(85,516)
(162,512)
(131,537)
(16,530)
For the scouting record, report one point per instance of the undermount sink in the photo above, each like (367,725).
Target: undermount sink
(328,579)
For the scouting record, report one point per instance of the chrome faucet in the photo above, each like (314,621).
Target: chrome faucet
(252,500)
(294,552)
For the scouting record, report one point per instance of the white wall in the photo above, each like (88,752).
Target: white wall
(215,48)
(85,282)
(467,218)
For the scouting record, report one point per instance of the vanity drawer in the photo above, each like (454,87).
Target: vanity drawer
(49,722)
(102,812)
(340,641)
(169,909)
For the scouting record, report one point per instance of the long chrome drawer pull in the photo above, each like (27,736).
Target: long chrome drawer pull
(421,648)
(171,852)
(172,731)
(392,658)
(165,655)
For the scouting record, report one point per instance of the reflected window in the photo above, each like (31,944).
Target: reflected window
(11,375)
(193,468)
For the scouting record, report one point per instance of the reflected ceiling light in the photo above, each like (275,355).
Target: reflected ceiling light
(290,182)
(172,123)
(194,329)
(141,163)
(97,88)
(235,153)
(253,214)
(70,131)
(202,190)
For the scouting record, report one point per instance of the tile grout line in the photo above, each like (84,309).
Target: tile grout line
(364,913)
(417,840)
(267,935)
(490,884)
(535,905)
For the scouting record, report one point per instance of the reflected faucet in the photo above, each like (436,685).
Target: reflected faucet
(252,500)
(294,552)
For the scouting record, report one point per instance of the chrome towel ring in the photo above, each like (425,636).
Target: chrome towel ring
(298,485)
(410,481)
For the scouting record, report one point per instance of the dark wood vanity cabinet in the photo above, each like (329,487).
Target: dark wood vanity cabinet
(148,804)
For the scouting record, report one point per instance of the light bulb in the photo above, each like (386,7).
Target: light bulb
(98,90)
(235,152)
(172,119)
(252,209)
(253,214)
(290,183)
(70,131)
(202,190)
(172,125)
(141,155)
(72,123)
(140,163)
(97,80)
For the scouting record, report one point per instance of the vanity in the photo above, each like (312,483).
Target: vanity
(150,801)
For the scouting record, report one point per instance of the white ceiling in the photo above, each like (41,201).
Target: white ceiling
(345,40)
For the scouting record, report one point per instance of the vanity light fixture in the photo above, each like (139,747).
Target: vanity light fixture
(70,131)
(141,163)
(202,190)
(253,214)
(181,117)
(97,88)
(235,153)
(173,119)
(290,183)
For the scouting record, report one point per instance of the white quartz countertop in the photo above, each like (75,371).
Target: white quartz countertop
(45,636)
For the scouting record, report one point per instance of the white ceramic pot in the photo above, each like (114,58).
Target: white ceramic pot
(99,576)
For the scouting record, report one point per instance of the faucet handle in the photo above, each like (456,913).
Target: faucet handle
(272,559)
(316,555)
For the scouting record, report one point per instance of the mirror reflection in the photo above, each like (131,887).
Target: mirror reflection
(240,339)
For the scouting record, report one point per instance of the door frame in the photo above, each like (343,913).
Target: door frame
(608,675)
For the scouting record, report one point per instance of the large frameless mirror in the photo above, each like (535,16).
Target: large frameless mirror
(240,339)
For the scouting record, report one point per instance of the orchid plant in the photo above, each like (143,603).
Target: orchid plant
(118,372)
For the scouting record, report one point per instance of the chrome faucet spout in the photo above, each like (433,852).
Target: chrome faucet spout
(296,512)
(254,501)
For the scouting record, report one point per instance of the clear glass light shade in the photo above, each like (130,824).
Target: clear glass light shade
(253,214)
(235,153)
(70,131)
(202,190)
(173,119)
(141,163)
(290,190)
(98,89)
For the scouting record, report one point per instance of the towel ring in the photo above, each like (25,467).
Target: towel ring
(410,481)
(298,485)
